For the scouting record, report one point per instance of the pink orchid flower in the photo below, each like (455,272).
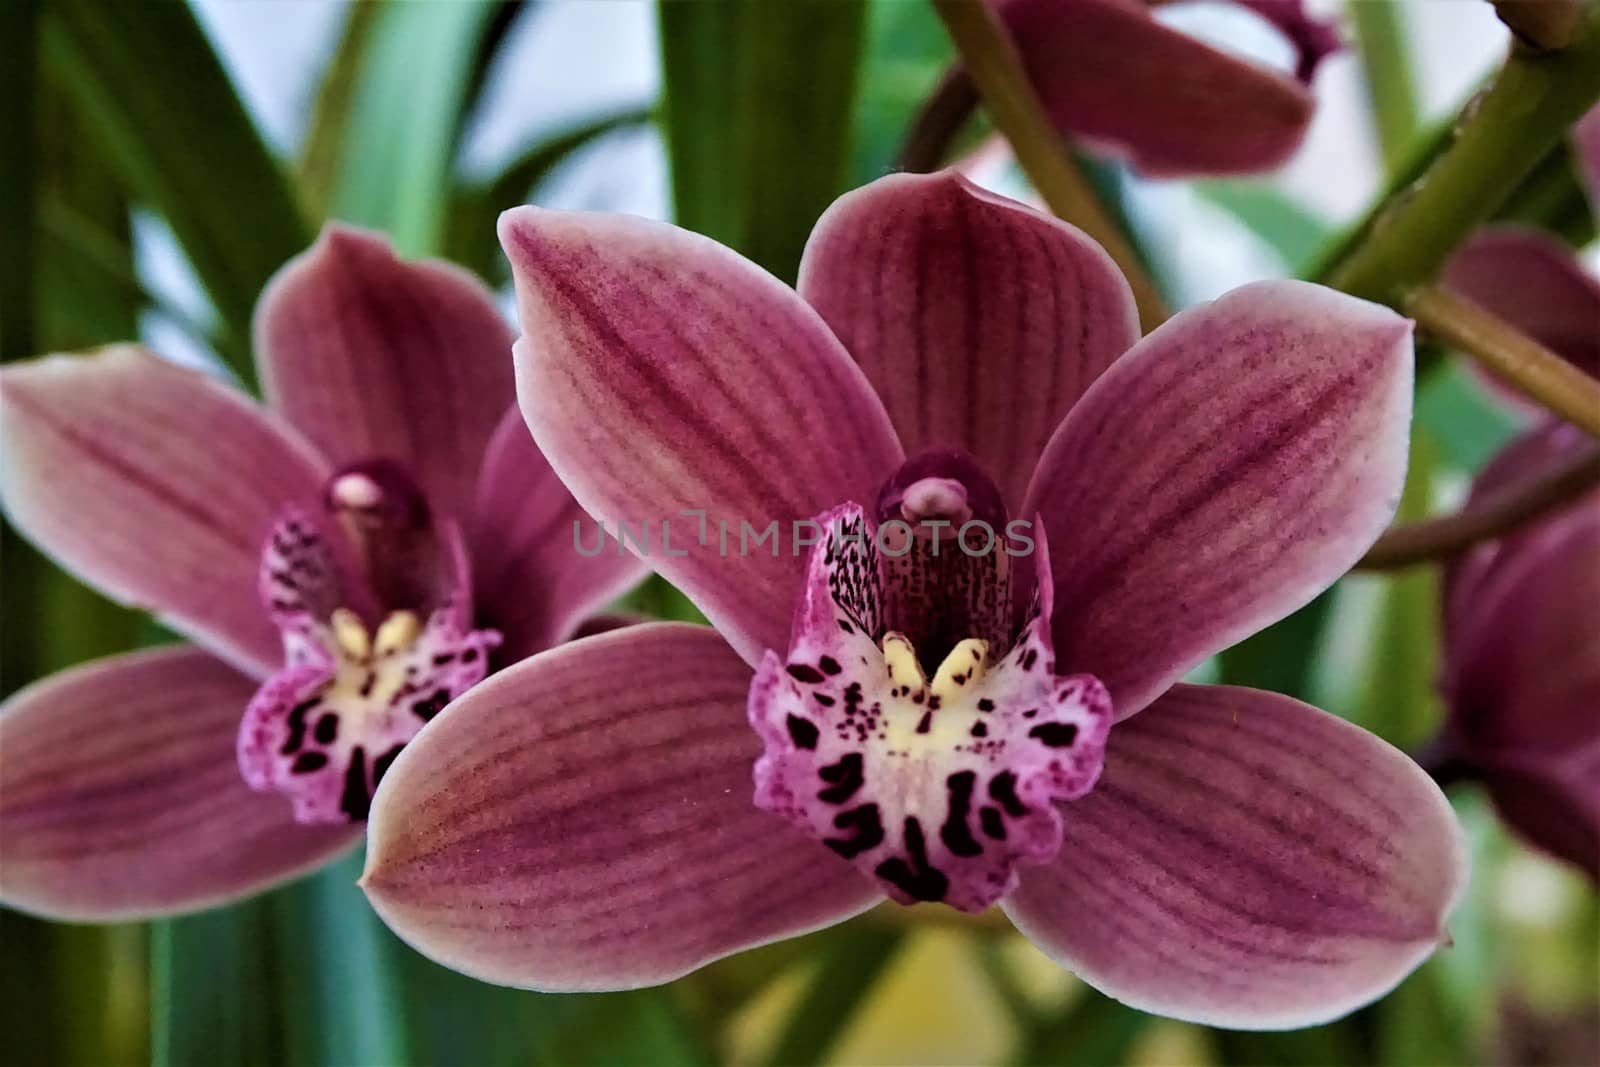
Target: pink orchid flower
(1522,662)
(316,551)
(972,729)
(1110,73)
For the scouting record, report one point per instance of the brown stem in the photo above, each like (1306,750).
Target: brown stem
(1522,362)
(1008,96)
(1497,515)
(938,122)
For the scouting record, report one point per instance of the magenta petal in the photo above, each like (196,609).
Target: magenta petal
(1522,670)
(376,358)
(662,373)
(1247,861)
(583,820)
(1110,73)
(1537,284)
(978,321)
(122,799)
(533,583)
(157,484)
(1226,470)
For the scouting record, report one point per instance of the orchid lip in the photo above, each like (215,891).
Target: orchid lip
(936,775)
(325,729)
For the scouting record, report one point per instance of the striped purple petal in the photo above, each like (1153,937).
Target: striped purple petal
(532,585)
(1226,470)
(583,821)
(376,358)
(1109,73)
(156,484)
(663,374)
(1537,284)
(1247,861)
(122,798)
(978,321)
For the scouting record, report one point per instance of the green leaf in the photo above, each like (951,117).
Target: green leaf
(419,67)
(1294,233)
(907,51)
(164,115)
(1468,424)
(471,233)
(758,102)
(846,970)
(297,976)
(1279,658)
(1093,1031)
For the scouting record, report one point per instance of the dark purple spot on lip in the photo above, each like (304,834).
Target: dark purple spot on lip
(431,705)
(829,665)
(914,875)
(979,730)
(985,704)
(297,725)
(1003,788)
(327,731)
(926,723)
(1055,734)
(955,833)
(804,672)
(307,762)
(824,699)
(866,825)
(802,732)
(993,824)
(356,800)
(845,777)
(380,766)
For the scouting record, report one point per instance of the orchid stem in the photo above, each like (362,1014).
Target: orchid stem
(1502,513)
(938,122)
(996,70)
(1513,356)
(1501,137)
(1380,33)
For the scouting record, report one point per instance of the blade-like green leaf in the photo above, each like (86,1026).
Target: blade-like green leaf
(418,69)
(163,113)
(471,234)
(758,102)
(298,976)
(907,50)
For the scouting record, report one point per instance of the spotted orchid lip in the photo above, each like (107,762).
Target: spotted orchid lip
(325,729)
(940,784)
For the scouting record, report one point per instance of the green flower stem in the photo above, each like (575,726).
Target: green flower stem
(1011,102)
(1380,34)
(1443,537)
(1501,138)
(1521,361)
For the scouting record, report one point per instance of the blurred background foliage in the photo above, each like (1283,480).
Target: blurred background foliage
(124,111)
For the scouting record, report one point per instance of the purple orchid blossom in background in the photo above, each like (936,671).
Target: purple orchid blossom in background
(315,551)
(1522,662)
(1108,72)
(940,727)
